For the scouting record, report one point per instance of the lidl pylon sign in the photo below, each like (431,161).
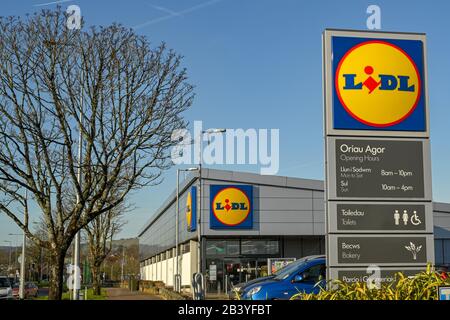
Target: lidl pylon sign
(378,172)
(378,84)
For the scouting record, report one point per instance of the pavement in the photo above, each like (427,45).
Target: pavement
(126,294)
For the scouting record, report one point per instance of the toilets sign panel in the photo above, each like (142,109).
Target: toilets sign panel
(379,217)
(376,84)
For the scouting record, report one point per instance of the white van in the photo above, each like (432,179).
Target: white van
(5,288)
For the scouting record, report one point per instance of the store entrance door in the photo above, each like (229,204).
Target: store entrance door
(239,270)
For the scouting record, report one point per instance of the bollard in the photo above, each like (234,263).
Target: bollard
(198,286)
(85,293)
(226,284)
(204,286)
(177,283)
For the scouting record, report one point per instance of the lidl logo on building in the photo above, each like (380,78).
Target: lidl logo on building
(378,84)
(231,207)
(191,210)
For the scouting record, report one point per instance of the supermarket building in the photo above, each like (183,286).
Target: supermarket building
(274,217)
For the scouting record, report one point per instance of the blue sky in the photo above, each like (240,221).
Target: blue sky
(257,64)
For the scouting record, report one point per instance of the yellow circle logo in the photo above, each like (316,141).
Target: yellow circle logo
(231,206)
(189,210)
(378,83)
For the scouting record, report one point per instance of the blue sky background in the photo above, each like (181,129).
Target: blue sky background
(257,64)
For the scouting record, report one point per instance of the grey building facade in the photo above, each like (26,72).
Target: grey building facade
(288,222)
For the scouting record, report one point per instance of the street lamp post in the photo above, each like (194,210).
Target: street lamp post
(177,280)
(199,239)
(22,264)
(77,271)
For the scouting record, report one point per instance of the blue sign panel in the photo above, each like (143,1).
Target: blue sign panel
(231,207)
(378,84)
(191,210)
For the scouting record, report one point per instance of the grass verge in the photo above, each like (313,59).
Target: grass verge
(90,295)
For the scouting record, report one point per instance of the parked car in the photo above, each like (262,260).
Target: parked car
(5,288)
(15,290)
(305,275)
(31,290)
(238,288)
(443,272)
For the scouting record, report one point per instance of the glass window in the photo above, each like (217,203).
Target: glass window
(232,247)
(185,248)
(215,247)
(259,247)
(272,247)
(314,274)
(310,246)
(4,282)
(438,250)
(446,251)
(222,247)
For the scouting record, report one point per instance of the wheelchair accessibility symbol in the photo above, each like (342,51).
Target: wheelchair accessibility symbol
(415,219)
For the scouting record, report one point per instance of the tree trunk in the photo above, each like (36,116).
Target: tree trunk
(56,276)
(96,283)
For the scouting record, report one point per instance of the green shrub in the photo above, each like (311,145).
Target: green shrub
(90,295)
(43,284)
(423,286)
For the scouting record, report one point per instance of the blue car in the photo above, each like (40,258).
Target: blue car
(306,275)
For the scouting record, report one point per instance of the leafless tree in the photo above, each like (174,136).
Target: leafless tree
(99,234)
(124,96)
